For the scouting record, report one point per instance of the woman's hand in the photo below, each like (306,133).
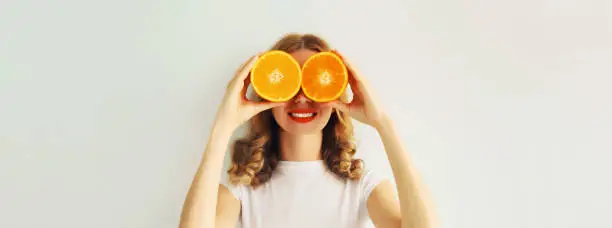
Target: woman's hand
(416,209)
(235,108)
(364,107)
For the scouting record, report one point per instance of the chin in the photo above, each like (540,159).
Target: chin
(302,120)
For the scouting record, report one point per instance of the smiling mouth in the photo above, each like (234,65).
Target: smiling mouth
(302,115)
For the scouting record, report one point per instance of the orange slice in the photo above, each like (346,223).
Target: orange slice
(324,77)
(276,76)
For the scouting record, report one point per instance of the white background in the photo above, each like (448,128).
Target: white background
(105,106)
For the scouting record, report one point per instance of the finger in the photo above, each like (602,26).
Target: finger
(245,88)
(353,82)
(340,106)
(237,83)
(246,69)
(347,63)
(353,75)
(359,86)
(335,51)
(349,69)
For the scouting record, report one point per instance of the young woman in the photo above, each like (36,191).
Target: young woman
(296,168)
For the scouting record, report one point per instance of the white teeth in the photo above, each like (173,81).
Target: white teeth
(302,115)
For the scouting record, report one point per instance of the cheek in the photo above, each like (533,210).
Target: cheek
(279,113)
(325,113)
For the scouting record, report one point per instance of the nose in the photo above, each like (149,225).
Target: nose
(301,98)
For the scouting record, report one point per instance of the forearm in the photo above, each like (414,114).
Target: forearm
(415,207)
(199,208)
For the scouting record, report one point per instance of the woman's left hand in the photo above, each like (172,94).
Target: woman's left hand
(363,107)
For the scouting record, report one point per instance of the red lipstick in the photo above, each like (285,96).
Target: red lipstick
(302,115)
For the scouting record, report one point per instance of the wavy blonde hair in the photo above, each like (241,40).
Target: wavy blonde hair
(255,157)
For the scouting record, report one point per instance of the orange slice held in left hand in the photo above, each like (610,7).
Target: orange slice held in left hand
(276,76)
(324,77)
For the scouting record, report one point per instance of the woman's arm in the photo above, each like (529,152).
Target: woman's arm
(414,205)
(200,206)
(206,200)
(414,210)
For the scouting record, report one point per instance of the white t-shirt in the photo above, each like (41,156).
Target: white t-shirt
(306,194)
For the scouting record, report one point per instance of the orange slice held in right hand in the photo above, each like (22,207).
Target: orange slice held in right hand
(324,77)
(276,76)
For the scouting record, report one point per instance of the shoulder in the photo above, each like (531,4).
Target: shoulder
(228,206)
(369,180)
(367,183)
(368,187)
(234,189)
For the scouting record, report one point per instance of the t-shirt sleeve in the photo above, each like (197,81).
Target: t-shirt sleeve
(234,189)
(369,181)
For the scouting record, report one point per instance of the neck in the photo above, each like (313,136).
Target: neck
(300,147)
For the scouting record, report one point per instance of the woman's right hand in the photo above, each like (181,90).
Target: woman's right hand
(235,108)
